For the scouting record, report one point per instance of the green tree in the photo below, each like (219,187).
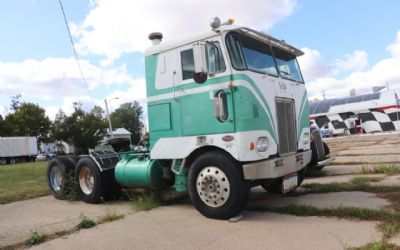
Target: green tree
(29,120)
(85,129)
(128,116)
(5,129)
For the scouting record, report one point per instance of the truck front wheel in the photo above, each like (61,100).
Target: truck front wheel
(216,186)
(88,178)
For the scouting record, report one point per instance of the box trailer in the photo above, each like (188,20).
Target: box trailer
(16,149)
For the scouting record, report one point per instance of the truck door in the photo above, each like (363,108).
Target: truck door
(206,108)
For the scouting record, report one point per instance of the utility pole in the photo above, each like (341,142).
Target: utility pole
(323,94)
(108,115)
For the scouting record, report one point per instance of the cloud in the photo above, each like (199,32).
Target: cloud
(394,48)
(386,70)
(114,27)
(358,60)
(56,77)
(314,66)
(136,91)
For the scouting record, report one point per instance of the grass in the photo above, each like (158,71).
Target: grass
(388,169)
(35,238)
(340,212)
(355,185)
(380,245)
(365,180)
(145,202)
(85,223)
(110,216)
(23,181)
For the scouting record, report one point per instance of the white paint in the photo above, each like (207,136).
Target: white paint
(238,148)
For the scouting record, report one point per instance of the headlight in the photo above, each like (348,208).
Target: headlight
(306,138)
(262,144)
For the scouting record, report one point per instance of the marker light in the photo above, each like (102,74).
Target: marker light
(306,138)
(231,21)
(215,23)
(251,146)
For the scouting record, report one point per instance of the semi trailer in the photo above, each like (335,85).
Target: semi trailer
(16,149)
(227,111)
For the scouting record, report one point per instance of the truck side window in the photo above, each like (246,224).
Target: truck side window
(215,59)
(235,52)
(187,62)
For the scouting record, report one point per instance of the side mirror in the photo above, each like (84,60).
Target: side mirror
(200,62)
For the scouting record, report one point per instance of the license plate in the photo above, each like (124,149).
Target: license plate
(289,183)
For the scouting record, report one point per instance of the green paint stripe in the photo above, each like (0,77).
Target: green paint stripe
(254,85)
(151,91)
(303,119)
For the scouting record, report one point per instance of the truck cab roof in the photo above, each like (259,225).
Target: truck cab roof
(165,46)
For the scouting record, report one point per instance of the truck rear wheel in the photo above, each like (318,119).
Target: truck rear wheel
(216,186)
(3,161)
(88,178)
(60,173)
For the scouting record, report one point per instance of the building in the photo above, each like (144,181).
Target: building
(375,112)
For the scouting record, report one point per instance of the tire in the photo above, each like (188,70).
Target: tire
(275,186)
(217,175)
(60,173)
(3,161)
(13,161)
(89,181)
(111,190)
(326,149)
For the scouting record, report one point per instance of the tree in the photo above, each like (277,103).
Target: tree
(5,129)
(29,120)
(128,116)
(85,129)
(15,102)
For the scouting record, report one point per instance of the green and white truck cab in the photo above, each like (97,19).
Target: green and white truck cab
(227,110)
(252,105)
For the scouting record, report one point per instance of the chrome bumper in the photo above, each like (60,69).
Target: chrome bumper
(326,161)
(277,167)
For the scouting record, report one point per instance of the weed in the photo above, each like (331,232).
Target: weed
(364,180)
(340,212)
(145,202)
(380,245)
(35,238)
(110,216)
(356,185)
(61,233)
(388,169)
(389,228)
(85,223)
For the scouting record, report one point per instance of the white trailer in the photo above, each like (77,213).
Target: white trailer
(15,149)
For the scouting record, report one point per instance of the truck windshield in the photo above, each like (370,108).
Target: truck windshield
(287,65)
(250,54)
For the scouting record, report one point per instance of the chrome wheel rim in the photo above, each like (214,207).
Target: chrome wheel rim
(56,178)
(86,180)
(212,186)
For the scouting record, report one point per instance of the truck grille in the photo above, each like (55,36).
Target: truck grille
(319,145)
(286,117)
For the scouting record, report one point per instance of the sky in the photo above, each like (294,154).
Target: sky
(347,44)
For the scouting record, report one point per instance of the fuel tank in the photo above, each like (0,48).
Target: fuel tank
(139,171)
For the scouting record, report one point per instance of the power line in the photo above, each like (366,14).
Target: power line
(75,53)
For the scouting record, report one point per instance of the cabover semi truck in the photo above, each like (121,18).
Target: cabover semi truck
(227,111)
(16,149)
